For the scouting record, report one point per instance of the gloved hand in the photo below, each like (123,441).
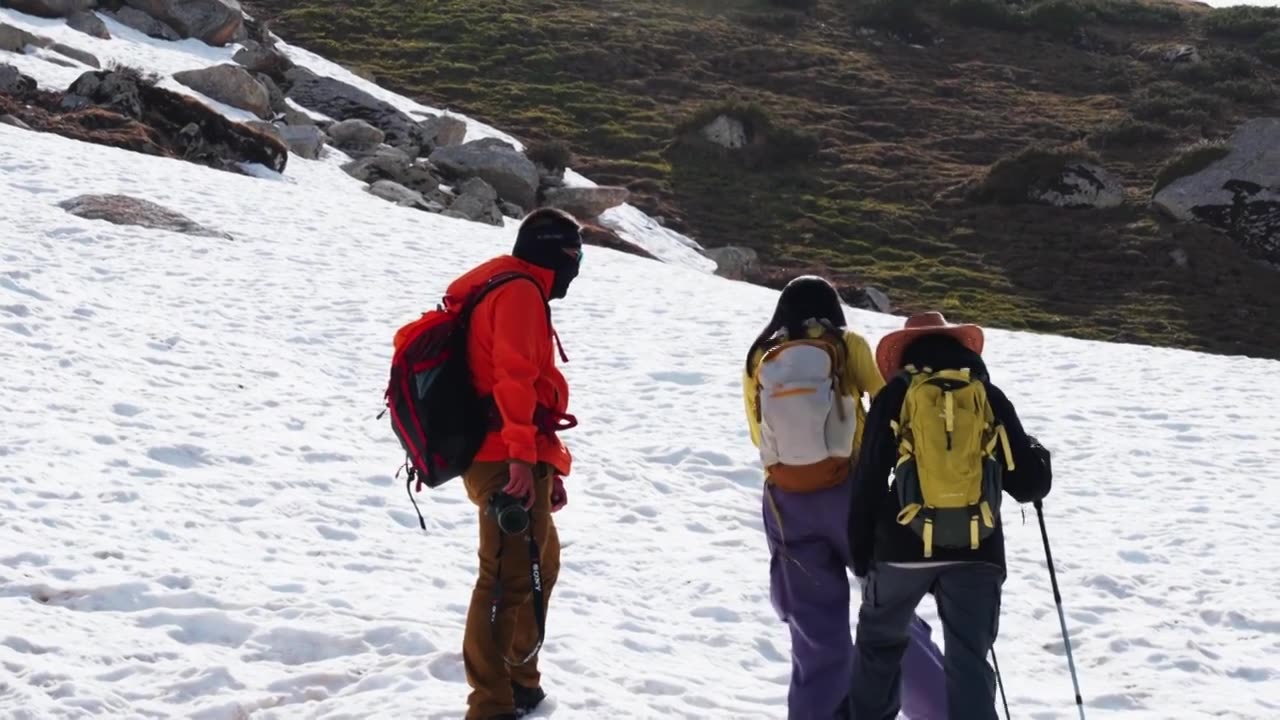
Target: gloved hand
(559,498)
(520,484)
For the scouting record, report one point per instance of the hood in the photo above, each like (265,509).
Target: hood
(504,263)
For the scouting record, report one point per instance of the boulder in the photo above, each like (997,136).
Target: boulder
(341,100)
(15,122)
(389,163)
(733,262)
(50,8)
(264,59)
(1239,193)
(88,22)
(403,196)
(356,135)
(118,91)
(303,140)
(498,163)
(230,84)
(477,201)
(144,23)
(586,203)
(16,40)
(275,97)
(216,22)
(444,131)
(13,82)
(76,54)
(604,237)
(870,298)
(1081,184)
(725,131)
(126,210)
(1183,54)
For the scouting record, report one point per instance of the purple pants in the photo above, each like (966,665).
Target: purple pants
(809,587)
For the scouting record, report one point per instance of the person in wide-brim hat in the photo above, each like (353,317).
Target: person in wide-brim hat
(889,351)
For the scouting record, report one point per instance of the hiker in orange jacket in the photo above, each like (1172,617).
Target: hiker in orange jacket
(511,350)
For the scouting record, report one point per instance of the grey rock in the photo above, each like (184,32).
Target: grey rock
(1082,184)
(88,22)
(259,58)
(444,131)
(144,23)
(216,22)
(15,122)
(113,90)
(306,141)
(355,135)
(16,40)
(733,262)
(874,299)
(126,210)
(341,100)
(1238,194)
(401,195)
(275,97)
(586,203)
(393,164)
(725,131)
(513,175)
(230,84)
(50,8)
(13,82)
(477,201)
(76,54)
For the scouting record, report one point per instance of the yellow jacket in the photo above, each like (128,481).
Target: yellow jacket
(861,376)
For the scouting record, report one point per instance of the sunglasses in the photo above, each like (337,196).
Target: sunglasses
(575,253)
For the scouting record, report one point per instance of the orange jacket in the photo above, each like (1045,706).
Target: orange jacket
(511,354)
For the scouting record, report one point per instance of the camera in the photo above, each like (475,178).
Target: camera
(509,511)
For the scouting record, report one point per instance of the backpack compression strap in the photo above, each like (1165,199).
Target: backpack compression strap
(539,599)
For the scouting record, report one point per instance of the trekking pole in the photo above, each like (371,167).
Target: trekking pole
(1057,599)
(1000,683)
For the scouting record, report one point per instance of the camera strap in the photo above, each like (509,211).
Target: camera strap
(539,604)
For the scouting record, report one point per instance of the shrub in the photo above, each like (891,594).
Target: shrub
(1138,14)
(553,155)
(1130,132)
(1009,180)
(992,14)
(768,143)
(1269,47)
(1242,22)
(1189,161)
(900,18)
(1060,18)
(1175,105)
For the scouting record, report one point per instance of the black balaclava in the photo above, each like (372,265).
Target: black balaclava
(544,239)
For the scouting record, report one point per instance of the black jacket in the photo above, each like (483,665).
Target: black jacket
(874,534)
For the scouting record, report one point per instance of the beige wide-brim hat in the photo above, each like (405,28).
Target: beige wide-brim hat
(889,351)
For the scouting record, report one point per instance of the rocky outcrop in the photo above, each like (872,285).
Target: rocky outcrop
(355,136)
(230,84)
(49,8)
(586,203)
(13,82)
(604,237)
(870,298)
(444,131)
(1080,184)
(389,163)
(144,23)
(265,59)
(496,162)
(733,262)
(343,101)
(1239,193)
(216,22)
(13,121)
(16,40)
(725,131)
(477,201)
(88,22)
(126,210)
(306,141)
(401,195)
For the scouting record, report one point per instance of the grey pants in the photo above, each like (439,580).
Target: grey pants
(968,597)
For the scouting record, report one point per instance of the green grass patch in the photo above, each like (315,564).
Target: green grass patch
(1189,161)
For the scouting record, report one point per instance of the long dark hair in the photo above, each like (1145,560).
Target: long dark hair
(806,297)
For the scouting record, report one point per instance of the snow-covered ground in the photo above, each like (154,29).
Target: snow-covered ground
(198,515)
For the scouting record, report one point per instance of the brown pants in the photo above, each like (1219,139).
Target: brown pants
(483,648)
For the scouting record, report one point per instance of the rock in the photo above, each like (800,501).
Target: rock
(76,54)
(604,237)
(586,203)
(870,298)
(216,22)
(1239,193)
(478,202)
(444,131)
(1184,54)
(303,140)
(259,58)
(230,84)
(401,195)
(297,117)
(511,210)
(88,22)
(733,262)
(512,174)
(340,100)
(118,91)
(50,8)
(11,120)
(389,163)
(144,23)
(1082,184)
(726,132)
(275,96)
(355,135)
(1179,257)
(13,82)
(126,210)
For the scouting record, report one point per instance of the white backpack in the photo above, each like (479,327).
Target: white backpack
(806,416)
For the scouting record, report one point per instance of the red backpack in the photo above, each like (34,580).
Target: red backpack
(435,411)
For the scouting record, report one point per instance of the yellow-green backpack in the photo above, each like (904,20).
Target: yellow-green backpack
(948,477)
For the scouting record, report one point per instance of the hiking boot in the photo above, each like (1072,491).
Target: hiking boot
(527,699)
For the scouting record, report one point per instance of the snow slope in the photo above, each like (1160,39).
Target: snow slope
(131,47)
(198,517)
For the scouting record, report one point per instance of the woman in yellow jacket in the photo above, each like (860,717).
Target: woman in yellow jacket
(804,381)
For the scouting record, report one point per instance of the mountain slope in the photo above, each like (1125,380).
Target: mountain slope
(898,128)
(198,514)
